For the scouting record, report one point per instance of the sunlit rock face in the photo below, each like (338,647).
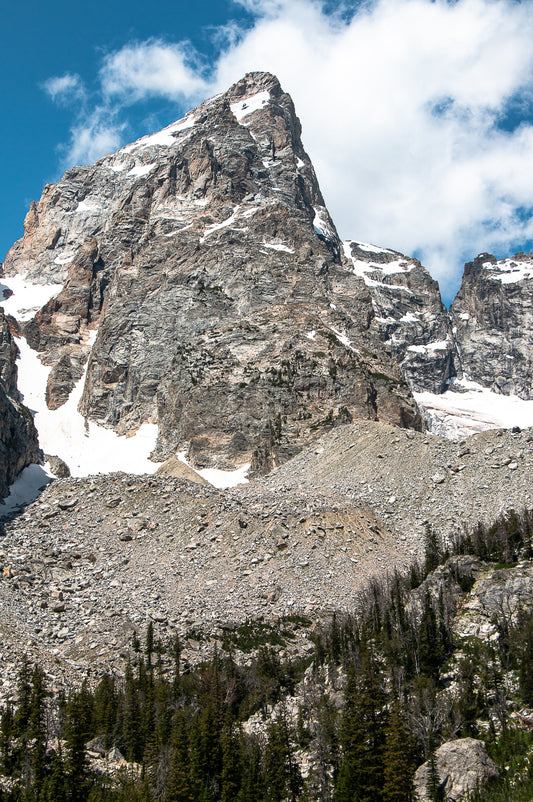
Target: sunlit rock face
(409,314)
(207,261)
(493,322)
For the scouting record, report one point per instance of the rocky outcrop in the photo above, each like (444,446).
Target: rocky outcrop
(409,314)
(8,356)
(463,766)
(18,440)
(19,446)
(493,320)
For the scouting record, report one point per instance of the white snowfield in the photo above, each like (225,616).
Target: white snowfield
(217,477)
(457,415)
(27,298)
(363,267)
(162,138)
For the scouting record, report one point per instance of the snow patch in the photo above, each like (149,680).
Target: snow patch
(366,247)
(509,271)
(27,298)
(457,415)
(64,258)
(321,223)
(89,208)
(86,447)
(142,169)
(273,246)
(344,340)
(217,477)
(441,345)
(311,334)
(250,104)
(25,488)
(162,138)
(229,221)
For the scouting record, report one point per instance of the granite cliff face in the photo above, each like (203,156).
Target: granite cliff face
(409,314)
(18,438)
(493,323)
(205,259)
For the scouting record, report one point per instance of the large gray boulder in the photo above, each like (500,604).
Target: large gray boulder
(462,766)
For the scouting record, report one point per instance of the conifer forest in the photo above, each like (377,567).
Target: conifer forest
(351,722)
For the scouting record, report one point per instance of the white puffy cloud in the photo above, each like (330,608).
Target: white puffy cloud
(400,101)
(152,68)
(92,136)
(399,107)
(64,88)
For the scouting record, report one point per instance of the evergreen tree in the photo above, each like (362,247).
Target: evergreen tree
(231,764)
(37,729)
(362,736)
(179,787)
(282,777)
(398,759)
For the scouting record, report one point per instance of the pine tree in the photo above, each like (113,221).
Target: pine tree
(231,774)
(282,777)
(179,786)
(434,787)
(131,718)
(37,729)
(398,759)
(362,736)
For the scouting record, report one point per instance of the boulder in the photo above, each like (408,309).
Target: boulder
(463,766)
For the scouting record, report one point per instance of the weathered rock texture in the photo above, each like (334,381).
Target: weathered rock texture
(411,479)
(208,262)
(409,314)
(493,319)
(463,766)
(18,438)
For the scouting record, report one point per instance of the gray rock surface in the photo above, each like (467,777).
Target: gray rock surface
(463,766)
(493,321)
(19,446)
(411,479)
(93,560)
(409,314)
(208,263)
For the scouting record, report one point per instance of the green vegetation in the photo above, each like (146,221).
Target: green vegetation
(381,691)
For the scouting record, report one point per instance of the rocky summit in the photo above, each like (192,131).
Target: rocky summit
(492,318)
(205,264)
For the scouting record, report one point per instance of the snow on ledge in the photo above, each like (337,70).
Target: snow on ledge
(27,298)
(25,488)
(86,447)
(250,104)
(216,477)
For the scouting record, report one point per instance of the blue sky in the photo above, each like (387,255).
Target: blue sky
(418,114)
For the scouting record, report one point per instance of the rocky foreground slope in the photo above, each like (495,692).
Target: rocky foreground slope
(94,560)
